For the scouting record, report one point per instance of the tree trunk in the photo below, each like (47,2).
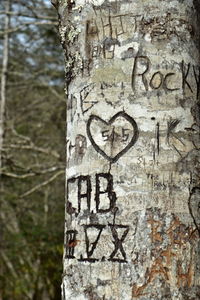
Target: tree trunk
(133,194)
(2,108)
(4,75)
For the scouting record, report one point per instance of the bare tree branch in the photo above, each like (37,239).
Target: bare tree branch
(38,23)
(18,176)
(54,92)
(8,263)
(34,148)
(39,186)
(21,14)
(21,136)
(31,174)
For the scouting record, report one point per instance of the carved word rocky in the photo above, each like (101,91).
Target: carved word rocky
(178,79)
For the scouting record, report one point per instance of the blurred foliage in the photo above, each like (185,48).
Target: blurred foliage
(32,180)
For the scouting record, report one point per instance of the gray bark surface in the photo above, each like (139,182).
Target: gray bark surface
(133,194)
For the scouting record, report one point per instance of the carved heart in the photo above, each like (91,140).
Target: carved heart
(114,138)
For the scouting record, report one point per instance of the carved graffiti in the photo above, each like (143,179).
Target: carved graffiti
(80,147)
(84,195)
(197,79)
(105,196)
(172,137)
(85,103)
(112,27)
(71,242)
(162,28)
(178,235)
(104,30)
(194,206)
(185,73)
(93,234)
(120,130)
(108,190)
(186,77)
(178,253)
(144,61)
(118,242)
(91,246)
(69,207)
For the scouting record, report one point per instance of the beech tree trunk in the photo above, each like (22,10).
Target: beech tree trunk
(133,194)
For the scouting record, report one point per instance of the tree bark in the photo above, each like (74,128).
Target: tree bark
(133,194)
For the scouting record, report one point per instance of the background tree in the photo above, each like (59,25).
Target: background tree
(33,153)
(133,192)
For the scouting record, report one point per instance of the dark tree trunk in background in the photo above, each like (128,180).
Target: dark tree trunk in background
(133,193)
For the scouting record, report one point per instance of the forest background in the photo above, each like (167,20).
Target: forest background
(32,159)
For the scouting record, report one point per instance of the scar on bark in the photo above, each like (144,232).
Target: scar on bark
(157,268)
(178,235)
(185,279)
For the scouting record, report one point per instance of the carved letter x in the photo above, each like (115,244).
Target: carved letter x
(118,242)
